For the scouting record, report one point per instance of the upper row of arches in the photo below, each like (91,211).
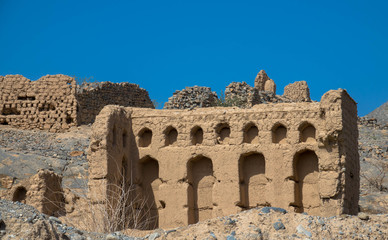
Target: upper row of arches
(307,133)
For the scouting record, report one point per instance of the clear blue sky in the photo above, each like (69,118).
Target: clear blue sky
(167,45)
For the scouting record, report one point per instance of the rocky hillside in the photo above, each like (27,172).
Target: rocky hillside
(380,114)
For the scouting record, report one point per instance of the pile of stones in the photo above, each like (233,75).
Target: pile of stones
(192,97)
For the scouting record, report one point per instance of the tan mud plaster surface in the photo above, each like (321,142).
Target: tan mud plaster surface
(204,163)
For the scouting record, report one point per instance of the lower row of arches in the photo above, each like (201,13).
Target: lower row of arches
(252,185)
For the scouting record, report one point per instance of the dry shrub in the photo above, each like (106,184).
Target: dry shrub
(377,178)
(122,207)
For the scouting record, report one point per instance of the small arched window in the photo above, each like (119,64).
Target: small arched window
(306,132)
(251,133)
(279,133)
(171,136)
(145,137)
(196,135)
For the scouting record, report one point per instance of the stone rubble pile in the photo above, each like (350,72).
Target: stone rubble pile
(239,94)
(191,97)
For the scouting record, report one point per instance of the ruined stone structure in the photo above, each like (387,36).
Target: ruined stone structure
(42,191)
(92,97)
(297,92)
(192,165)
(264,83)
(52,102)
(192,97)
(48,103)
(239,94)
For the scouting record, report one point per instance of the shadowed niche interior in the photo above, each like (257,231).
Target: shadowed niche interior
(145,137)
(196,135)
(252,181)
(306,175)
(200,190)
(20,195)
(307,133)
(279,134)
(223,133)
(171,136)
(149,169)
(251,133)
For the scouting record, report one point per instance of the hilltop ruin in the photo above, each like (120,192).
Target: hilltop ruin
(182,166)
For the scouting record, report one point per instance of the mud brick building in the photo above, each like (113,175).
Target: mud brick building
(192,165)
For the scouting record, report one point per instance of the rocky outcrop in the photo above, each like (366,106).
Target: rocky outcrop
(380,116)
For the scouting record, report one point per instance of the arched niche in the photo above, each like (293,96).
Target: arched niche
(124,138)
(145,137)
(252,180)
(279,133)
(170,136)
(196,135)
(223,133)
(20,194)
(306,174)
(149,185)
(251,133)
(200,192)
(114,135)
(307,132)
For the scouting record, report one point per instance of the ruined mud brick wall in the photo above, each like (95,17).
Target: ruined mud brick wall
(191,97)
(48,103)
(92,97)
(297,92)
(42,191)
(192,165)
(264,83)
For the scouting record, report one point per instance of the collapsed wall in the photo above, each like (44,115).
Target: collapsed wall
(48,103)
(92,97)
(56,103)
(192,165)
(42,191)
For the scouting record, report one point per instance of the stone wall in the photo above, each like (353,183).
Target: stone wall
(56,103)
(48,103)
(192,165)
(92,97)
(191,97)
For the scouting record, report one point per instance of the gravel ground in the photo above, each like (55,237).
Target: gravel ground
(19,221)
